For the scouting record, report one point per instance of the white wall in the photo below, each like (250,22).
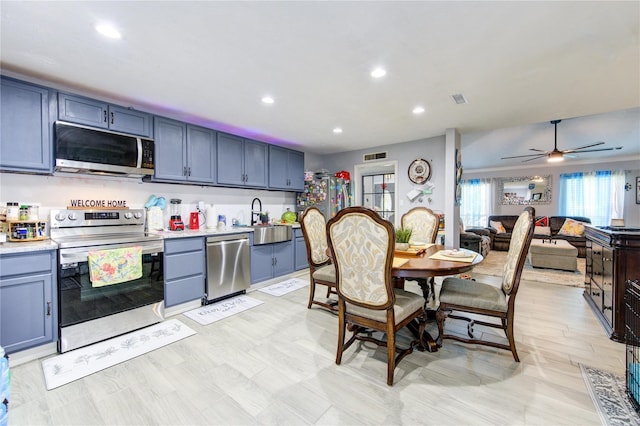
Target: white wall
(56,192)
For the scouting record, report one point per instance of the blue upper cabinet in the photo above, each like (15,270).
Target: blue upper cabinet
(184,153)
(286,169)
(91,112)
(26,115)
(241,162)
(201,154)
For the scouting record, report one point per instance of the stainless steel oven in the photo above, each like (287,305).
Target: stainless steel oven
(89,313)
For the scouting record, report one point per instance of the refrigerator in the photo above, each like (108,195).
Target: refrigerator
(326,192)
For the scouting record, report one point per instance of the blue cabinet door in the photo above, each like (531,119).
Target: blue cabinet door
(284,258)
(300,254)
(95,113)
(25,129)
(77,109)
(230,161)
(170,136)
(261,263)
(130,121)
(255,163)
(286,169)
(26,312)
(201,154)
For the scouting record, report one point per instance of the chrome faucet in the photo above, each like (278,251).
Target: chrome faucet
(255,213)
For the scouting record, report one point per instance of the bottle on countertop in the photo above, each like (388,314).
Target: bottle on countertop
(13,211)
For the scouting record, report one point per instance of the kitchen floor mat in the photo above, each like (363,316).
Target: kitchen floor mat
(284,287)
(73,365)
(208,314)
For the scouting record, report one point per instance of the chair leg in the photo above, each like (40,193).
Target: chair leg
(391,351)
(432,281)
(341,331)
(441,315)
(312,292)
(510,337)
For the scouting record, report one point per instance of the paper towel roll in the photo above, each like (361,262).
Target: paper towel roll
(211,217)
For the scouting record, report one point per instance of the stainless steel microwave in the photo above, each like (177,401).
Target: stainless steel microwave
(82,149)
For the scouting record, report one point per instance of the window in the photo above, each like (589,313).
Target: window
(596,195)
(378,193)
(476,201)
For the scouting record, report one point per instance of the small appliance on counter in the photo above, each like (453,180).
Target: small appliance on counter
(194,221)
(176,223)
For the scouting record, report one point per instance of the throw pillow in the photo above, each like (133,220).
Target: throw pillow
(572,228)
(497,226)
(542,221)
(542,230)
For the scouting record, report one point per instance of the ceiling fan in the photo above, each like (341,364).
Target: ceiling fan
(557,154)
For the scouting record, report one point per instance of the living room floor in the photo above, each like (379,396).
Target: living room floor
(275,364)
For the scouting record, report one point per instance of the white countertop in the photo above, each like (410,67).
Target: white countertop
(25,247)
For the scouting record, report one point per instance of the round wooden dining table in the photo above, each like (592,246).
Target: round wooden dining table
(419,265)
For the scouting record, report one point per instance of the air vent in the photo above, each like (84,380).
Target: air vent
(375,156)
(459,98)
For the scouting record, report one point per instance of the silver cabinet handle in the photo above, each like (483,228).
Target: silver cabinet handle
(48,309)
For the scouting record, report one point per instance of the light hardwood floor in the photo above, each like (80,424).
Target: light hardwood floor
(275,365)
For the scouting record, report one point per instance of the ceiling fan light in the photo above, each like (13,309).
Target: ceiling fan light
(554,157)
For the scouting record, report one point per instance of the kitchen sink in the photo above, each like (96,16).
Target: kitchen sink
(267,234)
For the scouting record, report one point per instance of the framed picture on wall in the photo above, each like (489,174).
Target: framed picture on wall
(637,189)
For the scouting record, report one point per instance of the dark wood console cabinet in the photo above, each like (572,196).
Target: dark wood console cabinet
(613,257)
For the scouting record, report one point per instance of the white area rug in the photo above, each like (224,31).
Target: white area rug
(225,308)
(494,263)
(79,363)
(609,395)
(284,287)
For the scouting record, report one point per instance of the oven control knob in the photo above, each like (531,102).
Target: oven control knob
(128,215)
(137,215)
(61,217)
(72,216)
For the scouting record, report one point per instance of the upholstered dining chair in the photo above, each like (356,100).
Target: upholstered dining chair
(424,224)
(362,246)
(321,270)
(473,297)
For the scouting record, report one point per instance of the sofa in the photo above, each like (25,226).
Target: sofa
(549,226)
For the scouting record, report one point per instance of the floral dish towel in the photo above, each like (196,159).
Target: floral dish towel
(107,267)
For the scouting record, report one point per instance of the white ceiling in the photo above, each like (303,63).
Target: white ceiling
(517,63)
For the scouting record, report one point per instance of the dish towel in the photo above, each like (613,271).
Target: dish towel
(441,256)
(107,267)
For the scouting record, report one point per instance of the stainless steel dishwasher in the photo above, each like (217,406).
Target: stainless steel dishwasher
(228,267)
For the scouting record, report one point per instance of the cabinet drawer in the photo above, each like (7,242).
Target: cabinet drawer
(183,264)
(19,264)
(184,290)
(183,244)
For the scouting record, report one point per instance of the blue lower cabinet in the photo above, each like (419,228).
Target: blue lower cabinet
(28,303)
(300,249)
(271,260)
(184,270)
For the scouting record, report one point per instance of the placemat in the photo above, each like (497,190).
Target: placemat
(440,256)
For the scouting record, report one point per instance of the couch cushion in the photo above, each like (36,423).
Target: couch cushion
(572,228)
(542,231)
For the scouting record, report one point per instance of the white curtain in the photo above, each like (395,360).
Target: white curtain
(476,202)
(597,195)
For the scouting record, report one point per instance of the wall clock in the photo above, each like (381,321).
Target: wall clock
(419,171)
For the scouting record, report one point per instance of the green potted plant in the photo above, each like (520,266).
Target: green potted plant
(403,235)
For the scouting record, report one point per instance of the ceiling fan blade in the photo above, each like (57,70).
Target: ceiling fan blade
(538,150)
(528,155)
(596,150)
(583,147)
(531,159)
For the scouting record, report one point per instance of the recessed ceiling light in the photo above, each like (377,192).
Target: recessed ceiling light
(378,72)
(418,110)
(337,130)
(108,31)
(267,100)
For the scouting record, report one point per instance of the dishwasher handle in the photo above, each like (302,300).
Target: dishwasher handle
(228,238)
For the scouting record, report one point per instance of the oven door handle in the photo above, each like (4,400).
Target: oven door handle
(81,254)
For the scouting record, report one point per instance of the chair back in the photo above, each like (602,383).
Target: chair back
(520,241)
(314,231)
(361,244)
(424,224)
